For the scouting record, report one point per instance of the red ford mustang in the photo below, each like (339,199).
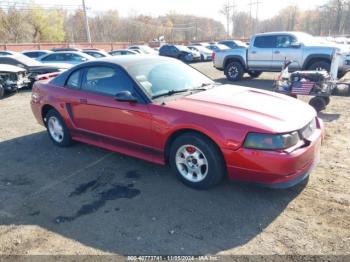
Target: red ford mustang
(161,110)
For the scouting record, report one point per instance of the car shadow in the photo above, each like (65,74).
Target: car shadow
(328,117)
(127,206)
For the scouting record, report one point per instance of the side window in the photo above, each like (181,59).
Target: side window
(173,49)
(50,58)
(284,41)
(73,80)
(78,58)
(106,80)
(164,49)
(265,41)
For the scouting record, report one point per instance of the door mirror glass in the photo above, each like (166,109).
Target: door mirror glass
(125,96)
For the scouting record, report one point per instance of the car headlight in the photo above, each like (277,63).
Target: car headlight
(270,141)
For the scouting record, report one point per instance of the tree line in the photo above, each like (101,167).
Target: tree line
(37,24)
(330,19)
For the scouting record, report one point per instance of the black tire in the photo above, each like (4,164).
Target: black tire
(326,100)
(341,74)
(254,74)
(216,169)
(2,91)
(318,103)
(320,65)
(67,139)
(234,71)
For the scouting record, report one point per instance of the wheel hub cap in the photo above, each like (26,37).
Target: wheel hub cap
(55,129)
(233,71)
(191,163)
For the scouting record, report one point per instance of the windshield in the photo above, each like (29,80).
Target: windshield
(161,77)
(183,48)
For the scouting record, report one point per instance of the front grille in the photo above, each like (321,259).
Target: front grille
(308,130)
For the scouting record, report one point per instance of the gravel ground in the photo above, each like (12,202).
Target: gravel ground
(85,200)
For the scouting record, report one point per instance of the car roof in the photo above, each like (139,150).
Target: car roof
(39,50)
(9,52)
(70,52)
(279,33)
(126,61)
(129,50)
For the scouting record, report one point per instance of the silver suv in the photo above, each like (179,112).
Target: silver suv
(268,51)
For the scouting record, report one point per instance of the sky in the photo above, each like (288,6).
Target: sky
(267,8)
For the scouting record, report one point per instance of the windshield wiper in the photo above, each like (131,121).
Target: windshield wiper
(170,93)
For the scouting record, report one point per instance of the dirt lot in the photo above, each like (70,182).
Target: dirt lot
(85,200)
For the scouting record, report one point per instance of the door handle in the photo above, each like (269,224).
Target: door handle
(253,52)
(83,101)
(277,52)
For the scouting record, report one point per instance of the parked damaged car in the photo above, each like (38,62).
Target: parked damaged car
(12,78)
(33,67)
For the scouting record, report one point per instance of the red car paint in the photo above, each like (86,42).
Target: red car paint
(225,114)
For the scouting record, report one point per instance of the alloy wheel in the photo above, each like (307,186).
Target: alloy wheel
(191,163)
(55,129)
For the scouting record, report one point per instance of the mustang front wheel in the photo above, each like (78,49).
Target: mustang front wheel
(197,161)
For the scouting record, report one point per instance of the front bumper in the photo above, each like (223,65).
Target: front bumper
(196,58)
(275,169)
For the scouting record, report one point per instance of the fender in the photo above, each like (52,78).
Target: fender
(237,58)
(316,56)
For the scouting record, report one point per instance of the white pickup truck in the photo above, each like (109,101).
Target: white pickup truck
(268,51)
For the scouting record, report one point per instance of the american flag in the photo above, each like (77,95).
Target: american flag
(302,87)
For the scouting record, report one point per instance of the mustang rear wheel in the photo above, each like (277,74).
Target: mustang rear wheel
(196,161)
(57,129)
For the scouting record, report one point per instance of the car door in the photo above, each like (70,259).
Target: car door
(173,52)
(164,51)
(260,52)
(118,124)
(285,50)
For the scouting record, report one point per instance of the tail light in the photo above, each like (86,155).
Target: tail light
(213,56)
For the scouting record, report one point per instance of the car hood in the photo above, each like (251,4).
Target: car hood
(260,110)
(59,65)
(11,68)
(45,67)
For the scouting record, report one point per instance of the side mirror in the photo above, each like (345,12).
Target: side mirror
(295,45)
(125,96)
